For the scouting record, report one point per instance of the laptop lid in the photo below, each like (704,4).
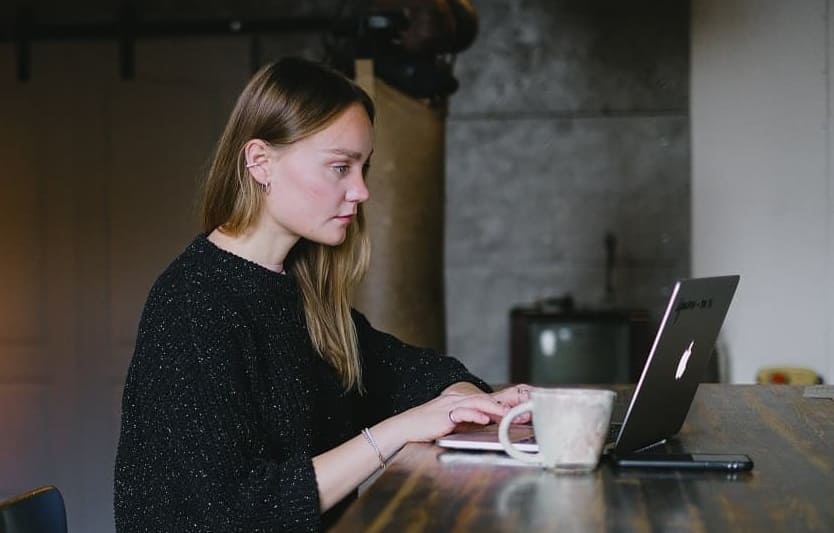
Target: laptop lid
(677,362)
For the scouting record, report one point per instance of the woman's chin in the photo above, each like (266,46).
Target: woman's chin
(331,240)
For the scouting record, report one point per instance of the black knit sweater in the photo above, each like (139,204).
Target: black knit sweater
(226,402)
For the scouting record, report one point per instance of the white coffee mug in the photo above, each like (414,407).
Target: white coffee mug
(571,426)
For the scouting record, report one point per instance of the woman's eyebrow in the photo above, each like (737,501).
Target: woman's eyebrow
(350,154)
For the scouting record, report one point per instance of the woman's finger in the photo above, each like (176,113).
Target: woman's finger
(484,403)
(480,409)
(462,415)
(513,395)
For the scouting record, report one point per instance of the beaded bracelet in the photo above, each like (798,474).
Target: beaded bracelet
(368,437)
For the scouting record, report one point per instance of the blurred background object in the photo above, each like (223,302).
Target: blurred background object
(413,42)
(788,375)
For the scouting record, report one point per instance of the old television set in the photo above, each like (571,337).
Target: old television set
(561,345)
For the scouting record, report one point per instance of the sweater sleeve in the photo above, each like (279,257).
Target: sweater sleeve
(191,435)
(398,376)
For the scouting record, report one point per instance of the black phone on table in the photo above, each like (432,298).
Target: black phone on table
(728,462)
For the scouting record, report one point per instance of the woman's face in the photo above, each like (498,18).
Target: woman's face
(318,182)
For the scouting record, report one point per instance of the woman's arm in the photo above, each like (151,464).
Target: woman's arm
(462,387)
(399,376)
(420,388)
(340,470)
(192,454)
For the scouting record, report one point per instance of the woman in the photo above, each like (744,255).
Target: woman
(257,399)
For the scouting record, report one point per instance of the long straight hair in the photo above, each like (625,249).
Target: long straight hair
(283,103)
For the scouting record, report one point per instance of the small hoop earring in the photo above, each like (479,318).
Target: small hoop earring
(266,187)
(250,165)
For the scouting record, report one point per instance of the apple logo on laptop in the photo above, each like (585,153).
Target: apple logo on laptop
(684,360)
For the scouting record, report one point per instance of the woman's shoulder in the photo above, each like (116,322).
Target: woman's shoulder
(189,285)
(204,269)
(186,276)
(188,308)
(204,279)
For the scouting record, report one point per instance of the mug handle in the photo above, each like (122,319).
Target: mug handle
(503,428)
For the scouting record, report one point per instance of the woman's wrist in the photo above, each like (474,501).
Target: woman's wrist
(388,437)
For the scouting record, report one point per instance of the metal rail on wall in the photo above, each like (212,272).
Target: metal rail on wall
(413,48)
(127,28)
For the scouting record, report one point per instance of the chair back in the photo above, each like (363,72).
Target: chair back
(37,511)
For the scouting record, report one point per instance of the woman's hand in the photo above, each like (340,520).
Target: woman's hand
(510,397)
(441,415)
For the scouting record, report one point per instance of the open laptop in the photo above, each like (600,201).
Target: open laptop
(675,366)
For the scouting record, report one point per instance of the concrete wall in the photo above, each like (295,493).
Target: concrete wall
(571,121)
(761,178)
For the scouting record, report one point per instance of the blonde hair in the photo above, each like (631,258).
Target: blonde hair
(283,103)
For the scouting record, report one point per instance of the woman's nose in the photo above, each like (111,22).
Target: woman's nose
(358,191)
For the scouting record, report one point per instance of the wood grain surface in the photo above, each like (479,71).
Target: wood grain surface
(790,439)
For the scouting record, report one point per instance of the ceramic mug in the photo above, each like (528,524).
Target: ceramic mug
(571,427)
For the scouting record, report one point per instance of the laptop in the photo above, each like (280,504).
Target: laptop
(674,368)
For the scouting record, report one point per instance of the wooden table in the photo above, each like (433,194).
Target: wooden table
(791,488)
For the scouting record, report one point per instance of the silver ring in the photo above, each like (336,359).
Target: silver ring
(452,420)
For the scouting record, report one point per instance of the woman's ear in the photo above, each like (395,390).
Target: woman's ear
(256,153)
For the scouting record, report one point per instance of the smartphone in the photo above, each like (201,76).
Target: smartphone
(728,462)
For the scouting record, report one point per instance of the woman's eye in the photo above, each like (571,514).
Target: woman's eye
(342,169)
